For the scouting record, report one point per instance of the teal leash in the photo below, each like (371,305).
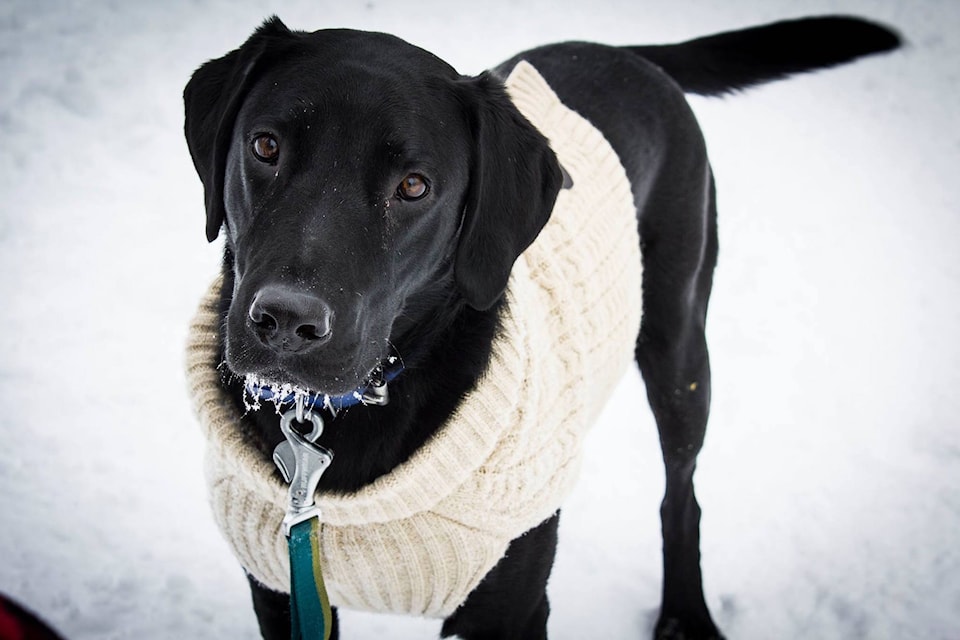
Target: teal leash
(310,614)
(302,462)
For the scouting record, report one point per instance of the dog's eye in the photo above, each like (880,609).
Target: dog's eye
(266,148)
(413,187)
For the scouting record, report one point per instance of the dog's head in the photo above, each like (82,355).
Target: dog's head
(362,184)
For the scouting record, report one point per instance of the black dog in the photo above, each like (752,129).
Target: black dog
(375,202)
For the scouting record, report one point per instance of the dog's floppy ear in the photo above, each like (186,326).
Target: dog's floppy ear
(212,99)
(514,181)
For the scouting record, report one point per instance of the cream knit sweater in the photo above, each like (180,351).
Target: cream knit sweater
(419,539)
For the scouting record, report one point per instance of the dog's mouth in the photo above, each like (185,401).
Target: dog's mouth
(334,369)
(282,391)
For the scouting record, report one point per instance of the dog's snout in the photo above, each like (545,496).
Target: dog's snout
(290,321)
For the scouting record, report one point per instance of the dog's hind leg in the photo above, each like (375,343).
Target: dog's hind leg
(679,248)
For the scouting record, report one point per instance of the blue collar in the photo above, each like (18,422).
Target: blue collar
(373,392)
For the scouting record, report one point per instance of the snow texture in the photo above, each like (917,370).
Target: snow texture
(830,473)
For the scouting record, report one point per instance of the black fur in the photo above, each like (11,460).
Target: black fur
(353,114)
(729,62)
(491,239)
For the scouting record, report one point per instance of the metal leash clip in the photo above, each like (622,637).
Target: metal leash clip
(376,392)
(301,462)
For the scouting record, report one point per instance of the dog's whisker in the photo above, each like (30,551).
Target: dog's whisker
(395,353)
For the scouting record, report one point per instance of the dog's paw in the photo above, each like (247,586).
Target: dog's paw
(669,628)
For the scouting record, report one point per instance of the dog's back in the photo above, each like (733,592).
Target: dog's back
(635,93)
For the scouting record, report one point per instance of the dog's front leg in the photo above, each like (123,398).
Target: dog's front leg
(511,601)
(273,612)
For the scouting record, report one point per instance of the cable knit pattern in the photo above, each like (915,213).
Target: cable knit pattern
(420,539)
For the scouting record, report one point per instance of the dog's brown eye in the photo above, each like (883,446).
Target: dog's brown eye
(413,187)
(266,148)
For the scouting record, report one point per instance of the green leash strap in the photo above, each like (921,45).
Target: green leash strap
(310,614)
(301,462)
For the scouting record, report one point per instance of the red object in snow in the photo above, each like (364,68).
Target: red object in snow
(16,623)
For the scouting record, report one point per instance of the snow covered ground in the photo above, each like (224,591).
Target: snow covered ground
(829,482)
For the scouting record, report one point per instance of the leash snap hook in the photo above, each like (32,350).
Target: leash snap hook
(301,462)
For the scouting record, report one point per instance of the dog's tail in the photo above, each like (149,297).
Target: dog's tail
(736,60)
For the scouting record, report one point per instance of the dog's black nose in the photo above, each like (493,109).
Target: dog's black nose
(289,321)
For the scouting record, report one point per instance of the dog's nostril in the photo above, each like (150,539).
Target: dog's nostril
(263,320)
(312,331)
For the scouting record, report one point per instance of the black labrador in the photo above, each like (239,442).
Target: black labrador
(288,134)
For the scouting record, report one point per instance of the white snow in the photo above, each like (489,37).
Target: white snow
(829,479)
